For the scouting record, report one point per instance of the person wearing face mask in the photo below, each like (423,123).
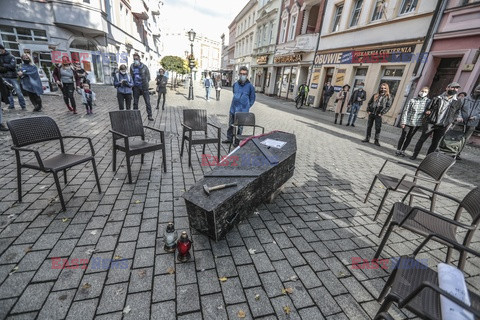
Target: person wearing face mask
(31,83)
(378,106)
(124,83)
(141,79)
(243,100)
(343,97)
(439,115)
(411,120)
(356,102)
(470,115)
(162,81)
(8,71)
(67,79)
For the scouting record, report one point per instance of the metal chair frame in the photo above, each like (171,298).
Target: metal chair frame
(243,119)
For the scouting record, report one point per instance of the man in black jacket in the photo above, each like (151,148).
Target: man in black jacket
(377,107)
(162,81)
(8,71)
(141,78)
(442,111)
(356,102)
(328,91)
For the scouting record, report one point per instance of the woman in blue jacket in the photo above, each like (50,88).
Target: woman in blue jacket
(31,83)
(243,99)
(124,83)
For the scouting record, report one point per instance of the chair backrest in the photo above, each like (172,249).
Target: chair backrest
(471,204)
(195,119)
(26,131)
(436,165)
(244,119)
(127,122)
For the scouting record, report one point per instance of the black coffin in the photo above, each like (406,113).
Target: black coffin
(259,172)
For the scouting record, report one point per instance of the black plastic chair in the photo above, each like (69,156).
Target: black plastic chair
(28,131)
(432,169)
(428,223)
(417,290)
(196,120)
(128,124)
(243,119)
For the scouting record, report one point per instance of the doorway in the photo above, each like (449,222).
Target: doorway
(447,68)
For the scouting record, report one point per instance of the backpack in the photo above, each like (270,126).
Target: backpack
(208,82)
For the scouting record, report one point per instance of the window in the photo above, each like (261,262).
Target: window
(264,41)
(283,32)
(293,27)
(408,6)
(357,9)
(271,33)
(9,37)
(378,10)
(336,18)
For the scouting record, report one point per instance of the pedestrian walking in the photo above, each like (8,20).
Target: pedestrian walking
(208,83)
(67,79)
(141,78)
(81,73)
(88,97)
(328,91)
(470,114)
(342,99)
(162,81)
(355,103)
(124,83)
(302,94)
(378,105)
(411,120)
(31,83)
(243,99)
(442,111)
(4,92)
(8,71)
(218,88)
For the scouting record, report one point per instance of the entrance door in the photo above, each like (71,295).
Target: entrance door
(445,74)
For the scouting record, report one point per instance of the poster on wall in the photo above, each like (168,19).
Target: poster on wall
(315,80)
(339,79)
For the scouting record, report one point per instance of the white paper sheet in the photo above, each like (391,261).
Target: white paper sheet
(452,281)
(273,143)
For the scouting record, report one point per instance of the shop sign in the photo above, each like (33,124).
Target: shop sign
(315,79)
(288,59)
(340,78)
(262,59)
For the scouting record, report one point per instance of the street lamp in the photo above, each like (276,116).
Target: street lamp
(191,37)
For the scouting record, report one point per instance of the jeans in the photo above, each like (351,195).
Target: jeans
(218,94)
(36,100)
(207,93)
(378,125)
(137,92)
(18,90)
(468,134)
(353,113)
(68,90)
(438,133)
(160,94)
(407,134)
(325,102)
(230,128)
(124,98)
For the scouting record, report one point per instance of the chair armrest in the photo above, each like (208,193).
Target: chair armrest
(89,142)
(186,127)
(415,177)
(455,245)
(432,191)
(124,136)
(219,131)
(37,155)
(436,215)
(211,124)
(118,134)
(263,129)
(397,162)
(162,134)
(154,129)
(434,287)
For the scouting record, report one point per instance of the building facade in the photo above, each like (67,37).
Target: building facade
(100,34)
(373,42)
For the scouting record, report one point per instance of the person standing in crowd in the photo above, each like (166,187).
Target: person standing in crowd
(243,99)
(343,97)
(8,71)
(141,78)
(378,105)
(439,115)
(31,83)
(3,98)
(124,83)
(411,120)
(461,95)
(218,88)
(470,115)
(81,73)
(302,93)
(162,81)
(88,97)
(208,86)
(67,79)
(356,101)
(328,91)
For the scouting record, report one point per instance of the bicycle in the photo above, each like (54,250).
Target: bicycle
(299,100)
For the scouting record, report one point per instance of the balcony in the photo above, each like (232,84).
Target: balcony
(80,17)
(139,10)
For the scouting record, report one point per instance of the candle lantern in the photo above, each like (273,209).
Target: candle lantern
(184,244)
(170,237)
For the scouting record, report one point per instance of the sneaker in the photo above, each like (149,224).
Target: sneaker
(413,158)
(353,125)
(402,153)
(366,140)
(376,143)
(37,109)
(3,127)
(348,125)
(150,118)
(227,141)
(398,152)
(74,111)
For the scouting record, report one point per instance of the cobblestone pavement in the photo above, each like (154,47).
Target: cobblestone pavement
(305,240)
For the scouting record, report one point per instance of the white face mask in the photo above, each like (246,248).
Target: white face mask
(123,71)
(422,94)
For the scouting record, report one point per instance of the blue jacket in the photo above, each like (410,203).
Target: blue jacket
(31,79)
(117,83)
(243,97)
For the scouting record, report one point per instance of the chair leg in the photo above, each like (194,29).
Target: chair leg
(189,153)
(19,183)
(164,156)
(229,147)
(183,143)
(114,160)
(385,306)
(129,169)
(218,150)
(370,190)
(142,157)
(203,150)
(461,261)
(386,223)
(65,176)
(59,190)
(96,175)
(384,241)
(380,206)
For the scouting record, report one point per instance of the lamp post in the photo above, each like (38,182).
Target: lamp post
(191,37)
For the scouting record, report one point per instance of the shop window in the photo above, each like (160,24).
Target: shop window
(408,6)
(378,11)
(392,77)
(357,9)
(337,17)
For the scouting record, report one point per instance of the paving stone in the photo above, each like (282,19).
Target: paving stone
(331,282)
(113,298)
(5,306)
(213,307)
(69,278)
(258,302)
(351,308)
(14,254)
(324,300)
(204,260)
(233,311)
(240,255)
(30,235)
(63,248)
(32,260)
(356,289)
(232,291)
(14,284)
(191,316)
(126,250)
(144,258)
(314,261)
(262,263)
(208,281)
(121,273)
(165,261)
(188,299)
(273,251)
(312,313)
(226,267)
(163,311)
(91,286)
(279,303)
(140,306)
(129,234)
(253,243)
(164,288)
(33,297)
(146,239)
(106,243)
(308,277)
(299,296)
(219,248)
(57,305)
(83,310)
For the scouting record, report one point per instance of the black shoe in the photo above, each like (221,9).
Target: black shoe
(376,143)
(367,140)
(458,158)
(348,125)
(150,118)
(37,109)
(227,141)
(157,108)
(413,157)
(353,125)
(3,128)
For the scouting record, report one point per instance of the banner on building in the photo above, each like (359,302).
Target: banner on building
(262,59)
(315,79)
(340,78)
(288,58)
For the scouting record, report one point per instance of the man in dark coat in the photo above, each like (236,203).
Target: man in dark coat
(328,91)
(162,81)
(141,77)
(4,92)
(8,71)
